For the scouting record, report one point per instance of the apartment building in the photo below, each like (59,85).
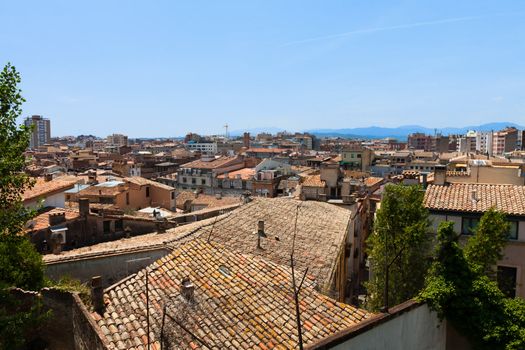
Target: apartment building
(202,172)
(464,204)
(117,140)
(42,130)
(356,157)
(203,147)
(130,193)
(505,140)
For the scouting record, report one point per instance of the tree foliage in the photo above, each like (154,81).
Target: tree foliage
(400,238)
(458,289)
(20,265)
(14,141)
(484,249)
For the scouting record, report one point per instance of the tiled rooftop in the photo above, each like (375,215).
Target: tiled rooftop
(212,164)
(245,173)
(372,181)
(459,197)
(151,240)
(240,302)
(314,181)
(140,181)
(43,187)
(41,221)
(321,232)
(203,199)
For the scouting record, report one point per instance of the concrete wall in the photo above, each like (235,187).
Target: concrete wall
(412,327)
(112,268)
(491,175)
(57,200)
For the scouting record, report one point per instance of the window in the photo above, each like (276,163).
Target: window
(469,225)
(147,191)
(184,180)
(127,198)
(507,280)
(513,230)
(172,195)
(119,225)
(106,200)
(193,180)
(106,226)
(203,182)
(359,156)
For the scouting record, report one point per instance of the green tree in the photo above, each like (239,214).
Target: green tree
(485,248)
(14,141)
(400,243)
(458,290)
(20,265)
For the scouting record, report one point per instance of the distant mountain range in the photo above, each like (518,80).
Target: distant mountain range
(400,132)
(405,130)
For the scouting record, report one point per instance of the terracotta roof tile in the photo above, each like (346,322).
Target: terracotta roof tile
(459,197)
(43,187)
(241,302)
(212,164)
(320,237)
(245,173)
(314,181)
(41,221)
(140,181)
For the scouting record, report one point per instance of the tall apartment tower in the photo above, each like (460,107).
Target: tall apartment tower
(41,132)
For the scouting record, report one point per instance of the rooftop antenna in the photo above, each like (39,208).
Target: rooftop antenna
(226,128)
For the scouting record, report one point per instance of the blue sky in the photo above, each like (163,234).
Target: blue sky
(163,68)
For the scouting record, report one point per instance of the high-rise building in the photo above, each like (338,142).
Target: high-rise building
(484,142)
(41,132)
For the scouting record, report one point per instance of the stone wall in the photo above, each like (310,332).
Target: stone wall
(69,325)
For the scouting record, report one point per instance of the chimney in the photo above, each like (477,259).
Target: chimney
(92,177)
(187,290)
(97,294)
(260,233)
(424,180)
(218,195)
(48,177)
(57,218)
(440,175)
(83,206)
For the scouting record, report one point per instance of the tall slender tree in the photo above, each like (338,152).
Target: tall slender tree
(20,265)
(399,247)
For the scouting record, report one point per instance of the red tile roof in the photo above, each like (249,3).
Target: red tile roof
(267,150)
(44,188)
(459,197)
(41,221)
(241,302)
(314,181)
(212,164)
(246,174)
